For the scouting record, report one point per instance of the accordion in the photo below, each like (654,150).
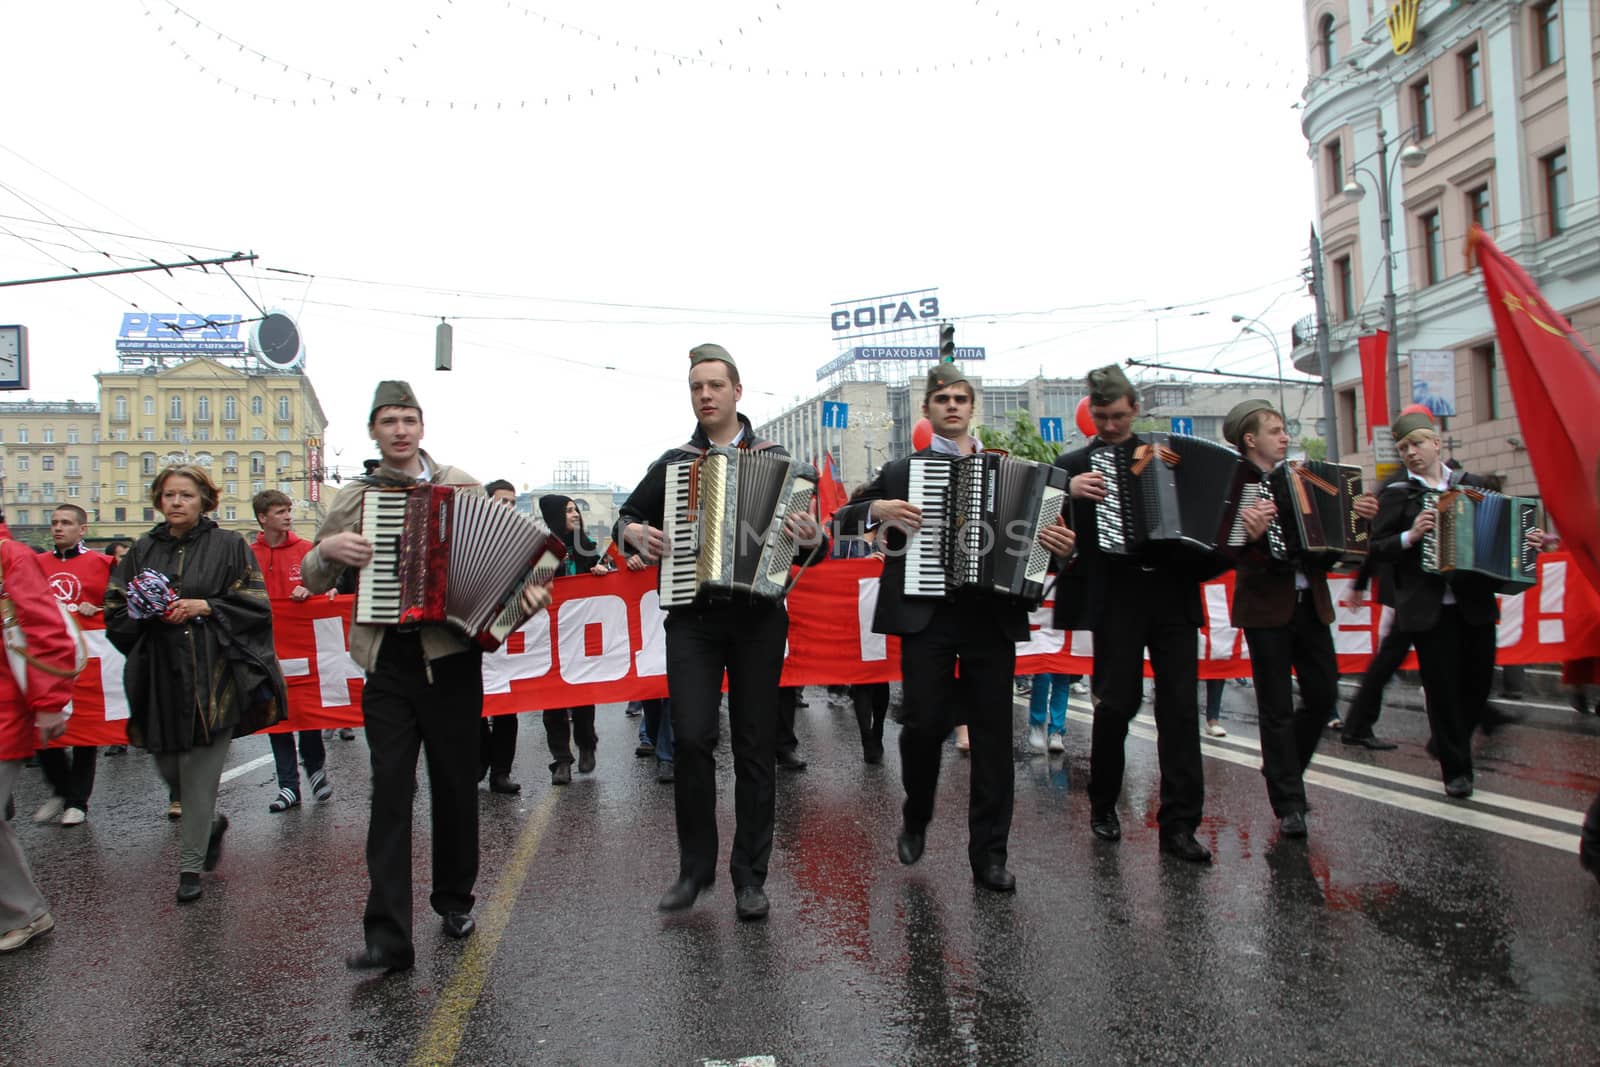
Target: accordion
(1483,533)
(442,555)
(1316,517)
(1172,496)
(724,520)
(981,516)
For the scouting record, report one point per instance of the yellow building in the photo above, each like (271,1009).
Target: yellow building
(251,427)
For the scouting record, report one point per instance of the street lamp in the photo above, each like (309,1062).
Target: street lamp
(1256,326)
(1410,156)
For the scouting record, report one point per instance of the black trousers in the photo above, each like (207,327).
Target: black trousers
(746,638)
(1118,684)
(788,703)
(405,711)
(1456,659)
(1362,715)
(497,744)
(871,702)
(1289,735)
(562,726)
(70,772)
(935,702)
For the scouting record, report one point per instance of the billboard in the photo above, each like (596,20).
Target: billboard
(873,316)
(870,353)
(171,333)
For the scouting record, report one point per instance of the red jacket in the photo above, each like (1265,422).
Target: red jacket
(79,578)
(280,566)
(48,641)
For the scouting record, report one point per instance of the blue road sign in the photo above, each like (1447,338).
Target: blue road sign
(1183,425)
(1051,430)
(835,414)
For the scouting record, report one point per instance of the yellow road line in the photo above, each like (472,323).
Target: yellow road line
(441,1039)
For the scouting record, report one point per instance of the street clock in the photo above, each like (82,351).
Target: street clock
(13,357)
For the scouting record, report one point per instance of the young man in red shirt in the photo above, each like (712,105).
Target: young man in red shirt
(279,552)
(78,577)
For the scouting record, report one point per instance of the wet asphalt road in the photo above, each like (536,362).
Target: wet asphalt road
(1408,929)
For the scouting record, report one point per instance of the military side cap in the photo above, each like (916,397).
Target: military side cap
(1232,425)
(1108,381)
(1406,425)
(393,394)
(708,353)
(941,375)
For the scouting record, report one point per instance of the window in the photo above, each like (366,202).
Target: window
(256,487)
(284,434)
(149,405)
(202,408)
(1422,107)
(147,435)
(72,435)
(1557,191)
(94,435)
(1547,32)
(122,490)
(283,407)
(230,434)
(230,408)
(283,461)
(47,492)
(258,433)
(49,435)
(72,466)
(119,460)
(1327,43)
(72,491)
(202,434)
(1478,206)
(286,488)
(119,435)
(1347,422)
(121,514)
(47,463)
(22,490)
(119,408)
(1432,247)
(1471,60)
(147,464)
(174,408)
(1344,288)
(94,463)
(22,517)
(1485,384)
(22,435)
(230,513)
(258,463)
(257,406)
(23,463)
(1334,154)
(149,514)
(231,488)
(230,461)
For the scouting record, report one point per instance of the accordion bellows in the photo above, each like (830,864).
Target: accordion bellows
(1484,533)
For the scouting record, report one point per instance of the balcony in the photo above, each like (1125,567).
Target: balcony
(1303,347)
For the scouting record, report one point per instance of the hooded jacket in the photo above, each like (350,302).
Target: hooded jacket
(582,552)
(48,642)
(280,565)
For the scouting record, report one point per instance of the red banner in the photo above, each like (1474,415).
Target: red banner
(1374,351)
(602,641)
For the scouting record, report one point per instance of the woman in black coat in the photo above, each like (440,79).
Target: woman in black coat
(563,517)
(188,608)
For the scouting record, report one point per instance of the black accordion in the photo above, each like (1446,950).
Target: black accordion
(981,517)
(1169,497)
(1483,533)
(1316,519)
(724,520)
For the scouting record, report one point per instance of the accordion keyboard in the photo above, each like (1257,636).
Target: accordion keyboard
(1109,512)
(925,575)
(383,522)
(677,578)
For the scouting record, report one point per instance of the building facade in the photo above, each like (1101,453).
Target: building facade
(1499,96)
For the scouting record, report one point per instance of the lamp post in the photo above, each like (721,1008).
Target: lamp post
(1410,156)
(1255,326)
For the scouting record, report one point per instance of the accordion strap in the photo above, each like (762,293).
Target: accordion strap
(1143,455)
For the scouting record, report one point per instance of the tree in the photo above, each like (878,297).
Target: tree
(1315,448)
(1022,440)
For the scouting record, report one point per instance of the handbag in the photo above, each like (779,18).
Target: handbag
(16,641)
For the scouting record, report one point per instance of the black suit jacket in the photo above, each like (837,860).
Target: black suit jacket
(1091,580)
(1418,595)
(896,614)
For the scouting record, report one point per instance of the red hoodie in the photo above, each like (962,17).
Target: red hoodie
(48,642)
(280,566)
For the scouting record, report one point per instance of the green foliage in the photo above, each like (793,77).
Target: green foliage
(1022,440)
(1316,448)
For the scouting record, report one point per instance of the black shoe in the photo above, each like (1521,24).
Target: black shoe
(681,894)
(1181,843)
(750,903)
(1293,824)
(1377,744)
(502,783)
(458,924)
(585,760)
(561,774)
(910,844)
(219,826)
(787,759)
(347,733)
(116,750)
(188,887)
(872,752)
(1459,787)
(373,958)
(1494,718)
(1106,825)
(644,749)
(665,771)
(996,878)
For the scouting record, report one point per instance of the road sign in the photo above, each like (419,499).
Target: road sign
(1051,430)
(835,414)
(1183,425)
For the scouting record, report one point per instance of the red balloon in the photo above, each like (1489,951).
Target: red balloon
(921,434)
(1417,409)
(1084,420)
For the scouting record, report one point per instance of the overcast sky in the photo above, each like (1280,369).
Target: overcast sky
(1117,194)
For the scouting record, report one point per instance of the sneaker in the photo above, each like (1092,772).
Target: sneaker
(347,733)
(175,810)
(1058,742)
(1214,729)
(321,788)
(1336,723)
(116,750)
(287,798)
(1081,688)
(1036,740)
(963,745)
(49,810)
(327,735)
(644,749)
(74,817)
(15,939)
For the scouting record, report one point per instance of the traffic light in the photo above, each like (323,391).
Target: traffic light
(947,343)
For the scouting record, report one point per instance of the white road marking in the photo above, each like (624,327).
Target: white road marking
(743,1061)
(245,768)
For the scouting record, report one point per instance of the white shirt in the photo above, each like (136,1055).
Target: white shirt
(1405,535)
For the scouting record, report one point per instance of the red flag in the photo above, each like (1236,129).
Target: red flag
(1555,383)
(830,494)
(1374,349)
